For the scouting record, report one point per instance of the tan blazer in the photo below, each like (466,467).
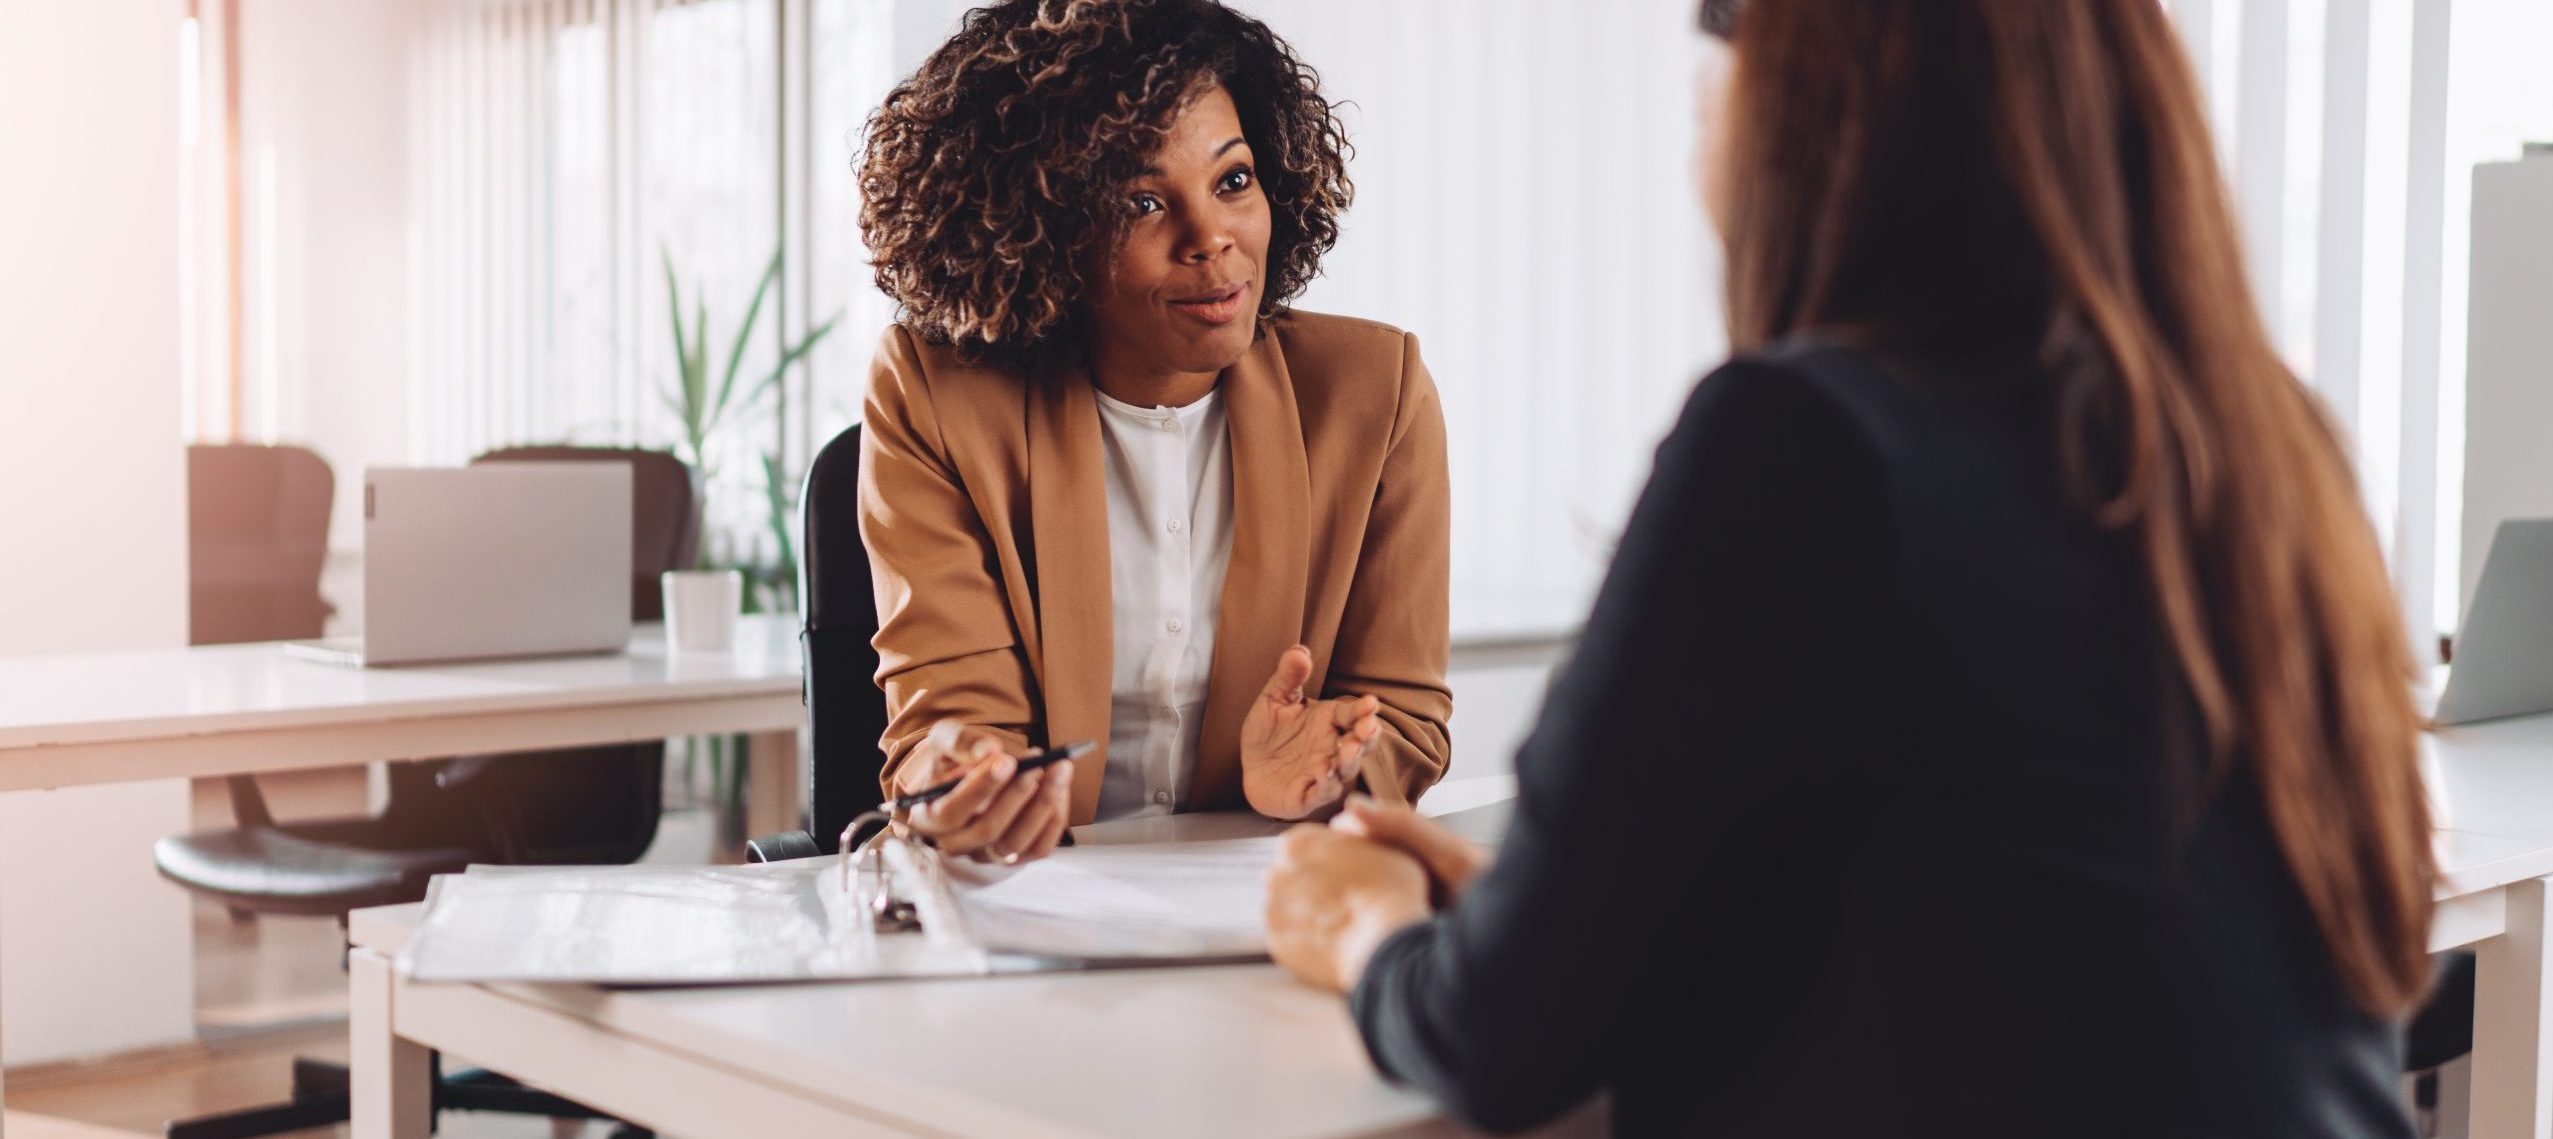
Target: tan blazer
(984,506)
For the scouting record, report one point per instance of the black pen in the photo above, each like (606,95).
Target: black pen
(1027,763)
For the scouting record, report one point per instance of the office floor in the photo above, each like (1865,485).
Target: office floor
(265,992)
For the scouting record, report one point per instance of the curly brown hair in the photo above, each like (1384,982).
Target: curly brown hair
(993,181)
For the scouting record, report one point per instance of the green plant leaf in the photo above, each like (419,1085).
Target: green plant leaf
(685,400)
(744,336)
(777,498)
(770,381)
(815,334)
(796,352)
(696,384)
(674,305)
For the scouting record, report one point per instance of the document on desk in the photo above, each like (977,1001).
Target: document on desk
(1087,906)
(1132,903)
(667,925)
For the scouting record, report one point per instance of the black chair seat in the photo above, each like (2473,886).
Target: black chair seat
(275,871)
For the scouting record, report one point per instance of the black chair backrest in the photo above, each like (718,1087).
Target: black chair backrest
(256,537)
(846,713)
(595,805)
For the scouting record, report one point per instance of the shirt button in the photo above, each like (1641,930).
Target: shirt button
(1174,525)
(1162,797)
(1175,626)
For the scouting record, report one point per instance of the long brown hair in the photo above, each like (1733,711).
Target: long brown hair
(1933,173)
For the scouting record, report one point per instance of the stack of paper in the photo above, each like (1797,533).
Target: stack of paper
(1152,902)
(658,925)
(796,921)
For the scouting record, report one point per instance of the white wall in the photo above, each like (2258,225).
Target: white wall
(324,182)
(1498,697)
(1524,205)
(95,951)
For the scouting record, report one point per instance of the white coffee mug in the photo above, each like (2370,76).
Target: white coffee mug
(701,608)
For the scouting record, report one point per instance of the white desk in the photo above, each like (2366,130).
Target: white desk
(232,709)
(79,719)
(1238,1051)
(1241,1052)
(2493,788)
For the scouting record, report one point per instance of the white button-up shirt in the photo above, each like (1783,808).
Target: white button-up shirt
(1169,541)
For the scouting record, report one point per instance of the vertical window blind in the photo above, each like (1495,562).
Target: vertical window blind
(1524,206)
(2351,128)
(565,154)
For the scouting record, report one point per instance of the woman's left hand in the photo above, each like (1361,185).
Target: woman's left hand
(1300,755)
(1334,898)
(1453,862)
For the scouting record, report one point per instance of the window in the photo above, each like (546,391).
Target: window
(568,152)
(2351,129)
(563,147)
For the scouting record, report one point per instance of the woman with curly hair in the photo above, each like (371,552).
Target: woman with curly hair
(1112,487)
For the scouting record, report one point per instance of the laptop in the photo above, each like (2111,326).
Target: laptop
(2504,652)
(488,561)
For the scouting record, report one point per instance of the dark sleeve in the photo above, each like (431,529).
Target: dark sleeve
(1676,756)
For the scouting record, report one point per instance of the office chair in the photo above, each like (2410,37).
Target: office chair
(2442,1030)
(846,713)
(577,806)
(256,537)
(599,805)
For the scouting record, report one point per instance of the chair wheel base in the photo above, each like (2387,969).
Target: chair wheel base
(255,1122)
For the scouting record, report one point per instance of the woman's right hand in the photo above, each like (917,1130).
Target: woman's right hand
(1452,862)
(996,813)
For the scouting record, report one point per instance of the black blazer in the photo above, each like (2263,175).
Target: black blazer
(1858,812)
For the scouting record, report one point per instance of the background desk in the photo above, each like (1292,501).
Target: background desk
(239,709)
(90,718)
(2492,785)
(1240,1052)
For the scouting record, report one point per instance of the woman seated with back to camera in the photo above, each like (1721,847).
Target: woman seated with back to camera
(1996,721)
(1112,488)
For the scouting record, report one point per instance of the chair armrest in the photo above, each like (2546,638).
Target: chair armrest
(784,847)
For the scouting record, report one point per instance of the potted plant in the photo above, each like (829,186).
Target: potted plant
(702,601)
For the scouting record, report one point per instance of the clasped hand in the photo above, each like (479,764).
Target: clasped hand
(1337,892)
